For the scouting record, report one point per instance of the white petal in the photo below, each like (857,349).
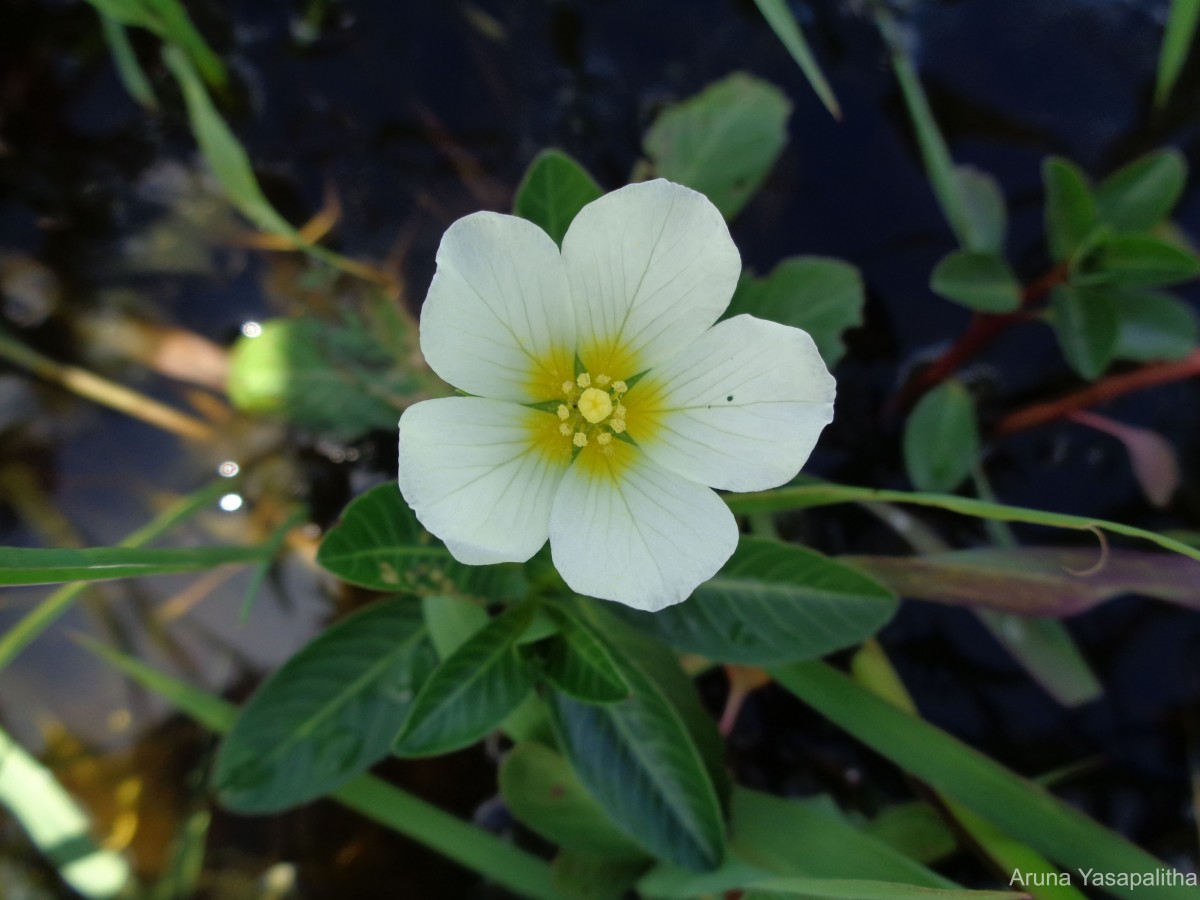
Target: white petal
(498,307)
(651,267)
(638,534)
(475,477)
(740,409)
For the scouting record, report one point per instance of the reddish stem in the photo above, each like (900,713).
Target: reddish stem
(1094,394)
(984,329)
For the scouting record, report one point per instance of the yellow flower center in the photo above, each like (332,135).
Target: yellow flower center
(592,411)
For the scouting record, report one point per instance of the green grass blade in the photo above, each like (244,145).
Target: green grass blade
(132,75)
(57,825)
(178,28)
(1177,41)
(508,866)
(939,166)
(784,24)
(38,565)
(1020,808)
(37,620)
(807,496)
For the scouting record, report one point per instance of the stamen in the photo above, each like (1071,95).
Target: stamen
(619,412)
(567,387)
(580,439)
(602,380)
(564,429)
(620,387)
(604,439)
(563,412)
(584,380)
(617,425)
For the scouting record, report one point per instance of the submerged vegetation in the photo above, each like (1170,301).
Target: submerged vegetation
(951,659)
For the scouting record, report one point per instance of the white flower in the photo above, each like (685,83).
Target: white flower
(607,403)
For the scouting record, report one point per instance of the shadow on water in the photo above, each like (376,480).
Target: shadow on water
(112,241)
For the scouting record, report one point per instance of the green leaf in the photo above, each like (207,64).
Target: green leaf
(784,24)
(1085,321)
(809,496)
(1018,807)
(555,188)
(495,858)
(323,375)
(379,544)
(773,603)
(329,713)
(1134,260)
(451,621)
(1071,215)
(577,663)
(129,68)
(37,565)
(979,281)
(665,797)
(916,830)
(821,296)
(1177,41)
(58,826)
(1153,326)
(471,692)
(941,438)
(589,876)
(224,154)
(169,21)
(1143,193)
(985,217)
(858,889)
(723,141)
(544,794)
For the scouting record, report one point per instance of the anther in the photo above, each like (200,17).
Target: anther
(580,439)
(602,380)
(563,412)
(619,412)
(567,387)
(617,425)
(620,387)
(584,380)
(604,439)
(564,429)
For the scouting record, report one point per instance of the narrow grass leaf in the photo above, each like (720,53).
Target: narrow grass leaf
(129,69)
(38,565)
(784,24)
(773,603)
(808,496)
(1018,807)
(329,713)
(1177,41)
(859,889)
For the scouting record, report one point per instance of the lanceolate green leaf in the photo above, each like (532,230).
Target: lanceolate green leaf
(329,713)
(664,796)
(773,603)
(783,23)
(543,793)
(492,857)
(808,496)
(1070,208)
(1136,260)
(37,565)
(379,544)
(1018,807)
(1177,41)
(723,141)
(821,296)
(471,692)
(577,663)
(555,188)
(1143,193)
(1085,321)
(857,889)
(941,438)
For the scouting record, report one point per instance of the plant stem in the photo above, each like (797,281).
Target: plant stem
(107,393)
(982,330)
(1100,392)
